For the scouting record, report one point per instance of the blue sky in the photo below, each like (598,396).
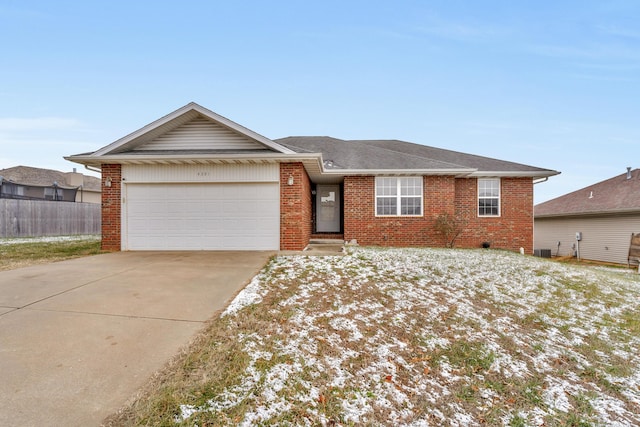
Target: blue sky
(554,84)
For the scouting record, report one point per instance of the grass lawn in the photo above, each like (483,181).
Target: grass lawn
(16,253)
(411,337)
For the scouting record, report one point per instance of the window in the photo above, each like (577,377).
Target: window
(489,197)
(54,193)
(398,196)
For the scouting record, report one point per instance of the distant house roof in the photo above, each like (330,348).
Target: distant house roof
(399,155)
(619,194)
(45,177)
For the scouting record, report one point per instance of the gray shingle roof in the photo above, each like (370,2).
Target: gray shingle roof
(360,155)
(45,177)
(394,154)
(617,194)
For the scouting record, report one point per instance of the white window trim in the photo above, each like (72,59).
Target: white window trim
(499,197)
(399,197)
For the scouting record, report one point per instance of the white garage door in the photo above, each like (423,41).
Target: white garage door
(201,216)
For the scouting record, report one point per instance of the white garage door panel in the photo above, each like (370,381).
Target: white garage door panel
(202,216)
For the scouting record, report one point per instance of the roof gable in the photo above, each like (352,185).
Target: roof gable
(201,134)
(191,127)
(615,195)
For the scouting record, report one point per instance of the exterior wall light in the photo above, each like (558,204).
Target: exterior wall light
(107,182)
(290,180)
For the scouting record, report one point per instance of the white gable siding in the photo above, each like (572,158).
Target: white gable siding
(201,173)
(201,134)
(604,238)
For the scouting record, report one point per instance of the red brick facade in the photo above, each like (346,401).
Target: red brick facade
(111,207)
(512,230)
(442,194)
(295,207)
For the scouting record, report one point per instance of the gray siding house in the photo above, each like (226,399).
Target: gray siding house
(87,188)
(594,223)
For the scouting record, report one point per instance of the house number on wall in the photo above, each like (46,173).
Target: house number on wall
(202,173)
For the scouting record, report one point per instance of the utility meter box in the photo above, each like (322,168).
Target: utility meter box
(579,235)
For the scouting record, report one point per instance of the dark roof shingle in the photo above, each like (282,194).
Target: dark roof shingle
(394,154)
(617,194)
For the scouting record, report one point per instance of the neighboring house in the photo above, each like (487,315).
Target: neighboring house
(605,214)
(24,182)
(196,180)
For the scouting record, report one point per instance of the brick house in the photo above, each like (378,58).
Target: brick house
(194,180)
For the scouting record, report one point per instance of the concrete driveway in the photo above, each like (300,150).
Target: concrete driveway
(78,338)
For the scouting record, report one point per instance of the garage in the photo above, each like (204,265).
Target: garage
(207,207)
(202,216)
(195,180)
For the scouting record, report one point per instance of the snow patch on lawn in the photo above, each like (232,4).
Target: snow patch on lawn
(251,294)
(383,346)
(48,239)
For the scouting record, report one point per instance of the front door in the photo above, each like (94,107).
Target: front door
(328,209)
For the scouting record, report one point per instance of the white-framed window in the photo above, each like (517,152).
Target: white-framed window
(399,196)
(489,197)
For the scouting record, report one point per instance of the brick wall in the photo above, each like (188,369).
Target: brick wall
(111,206)
(360,222)
(442,194)
(295,207)
(512,230)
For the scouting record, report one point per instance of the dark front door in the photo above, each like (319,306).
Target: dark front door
(328,209)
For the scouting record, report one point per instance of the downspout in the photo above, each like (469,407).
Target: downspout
(545,179)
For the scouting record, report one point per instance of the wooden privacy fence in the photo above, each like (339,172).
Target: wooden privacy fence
(634,250)
(35,218)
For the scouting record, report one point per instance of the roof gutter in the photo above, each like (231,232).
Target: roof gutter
(516,174)
(95,161)
(592,213)
(344,172)
(89,168)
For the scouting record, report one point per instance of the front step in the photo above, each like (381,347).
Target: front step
(324,236)
(326,242)
(325,246)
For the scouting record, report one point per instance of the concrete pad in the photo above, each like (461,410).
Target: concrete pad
(24,286)
(73,369)
(91,331)
(4,310)
(192,284)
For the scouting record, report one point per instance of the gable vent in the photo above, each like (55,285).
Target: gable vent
(201,134)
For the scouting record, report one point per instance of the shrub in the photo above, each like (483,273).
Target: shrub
(449,226)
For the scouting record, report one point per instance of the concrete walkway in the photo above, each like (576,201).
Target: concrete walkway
(78,338)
